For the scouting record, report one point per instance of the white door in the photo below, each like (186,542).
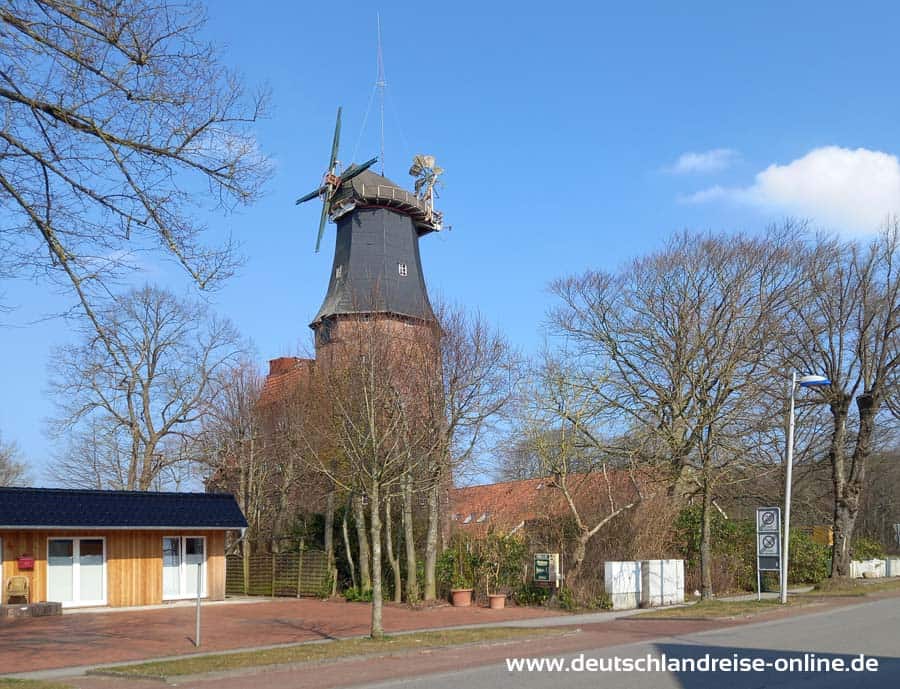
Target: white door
(61,570)
(184,557)
(171,567)
(193,566)
(90,571)
(76,571)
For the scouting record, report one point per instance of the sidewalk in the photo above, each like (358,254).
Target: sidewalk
(90,639)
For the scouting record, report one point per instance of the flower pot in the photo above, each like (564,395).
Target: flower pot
(461,598)
(497,601)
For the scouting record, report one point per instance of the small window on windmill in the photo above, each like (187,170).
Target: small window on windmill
(401,268)
(323,333)
(483,517)
(339,272)
(468,519)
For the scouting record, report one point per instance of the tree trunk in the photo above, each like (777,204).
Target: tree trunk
(846,504)
(431,541)
(359,516)
(245,563)
(349,551)
(578,555)
(329,531)
(706,588)
(409,537)
(377,629)
(844,521)
(841,520)
(393,560)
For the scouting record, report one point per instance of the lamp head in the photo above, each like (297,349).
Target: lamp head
(812,381)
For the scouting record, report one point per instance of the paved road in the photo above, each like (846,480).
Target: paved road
(872,629)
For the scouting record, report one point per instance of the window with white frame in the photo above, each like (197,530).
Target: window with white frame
(402,269)
(184,558)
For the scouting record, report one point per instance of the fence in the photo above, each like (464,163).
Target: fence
(303,573)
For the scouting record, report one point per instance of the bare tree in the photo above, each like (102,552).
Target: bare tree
(559,431)
(145,385)
(677,346)
(376,433)
(479,374)
(12,471)
(119,130)
(233,447)
(845,324)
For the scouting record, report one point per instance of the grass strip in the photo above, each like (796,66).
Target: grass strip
(853,587)
(306,653)
(721,609)
(31,684)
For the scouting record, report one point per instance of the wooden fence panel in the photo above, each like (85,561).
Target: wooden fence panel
(278,574)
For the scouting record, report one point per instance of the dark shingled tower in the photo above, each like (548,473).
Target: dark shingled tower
(377,270)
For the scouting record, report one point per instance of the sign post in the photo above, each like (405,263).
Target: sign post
(546,569)
(199,592)
(768,544)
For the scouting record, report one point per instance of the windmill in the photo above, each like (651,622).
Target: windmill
(331,182)
(426,172)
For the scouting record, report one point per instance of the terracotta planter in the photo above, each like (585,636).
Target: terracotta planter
(497,601)
(461,598)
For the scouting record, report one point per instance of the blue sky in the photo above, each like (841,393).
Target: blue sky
(574,135)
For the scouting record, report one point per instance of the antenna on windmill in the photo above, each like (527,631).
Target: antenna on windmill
(380,85)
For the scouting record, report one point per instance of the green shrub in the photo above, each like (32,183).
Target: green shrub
(733,545)
(601,602)
(866,549)
(457,565)
(529,594)
(808,563)
(357,595)
(566,599)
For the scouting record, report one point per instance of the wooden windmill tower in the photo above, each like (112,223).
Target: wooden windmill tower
(376,270)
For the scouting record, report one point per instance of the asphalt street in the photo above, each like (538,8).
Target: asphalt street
(872,629)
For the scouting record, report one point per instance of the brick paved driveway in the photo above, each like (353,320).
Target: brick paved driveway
(28,645)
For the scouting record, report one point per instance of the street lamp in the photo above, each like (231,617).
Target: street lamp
(808,381)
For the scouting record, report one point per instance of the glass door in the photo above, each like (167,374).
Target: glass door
(184,559)
(193,566)
(171,567)
(61,570)
(91,582)
(76,571)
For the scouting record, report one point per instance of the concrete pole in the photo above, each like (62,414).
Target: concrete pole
(787,492)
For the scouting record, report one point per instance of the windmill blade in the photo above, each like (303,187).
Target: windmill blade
(336,142)
(310,196)
(354,170)
(325,208)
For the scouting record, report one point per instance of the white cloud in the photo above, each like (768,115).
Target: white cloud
(704,162)
(841,188)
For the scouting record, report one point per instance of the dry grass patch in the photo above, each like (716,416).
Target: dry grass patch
(331,650)
(721,609)
(854,587)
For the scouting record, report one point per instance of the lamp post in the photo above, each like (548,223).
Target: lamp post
(807,381)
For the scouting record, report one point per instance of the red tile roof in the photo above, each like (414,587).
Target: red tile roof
(505,507)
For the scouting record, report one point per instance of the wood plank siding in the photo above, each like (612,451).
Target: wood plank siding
(134,571)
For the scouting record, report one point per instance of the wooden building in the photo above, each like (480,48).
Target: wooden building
(115,548)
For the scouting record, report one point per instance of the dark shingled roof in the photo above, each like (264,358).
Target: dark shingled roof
(54,507)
